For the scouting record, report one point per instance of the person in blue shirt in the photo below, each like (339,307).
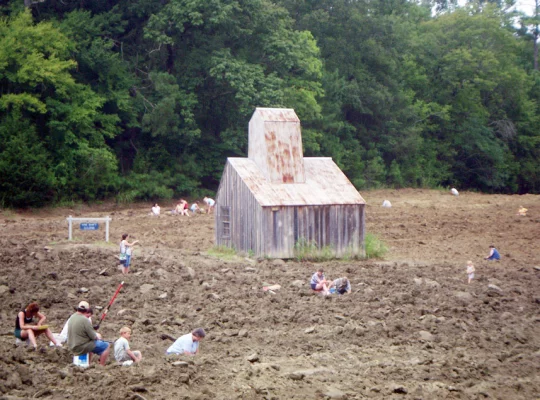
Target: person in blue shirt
(493,254)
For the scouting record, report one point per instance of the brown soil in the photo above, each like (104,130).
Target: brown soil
(411,329)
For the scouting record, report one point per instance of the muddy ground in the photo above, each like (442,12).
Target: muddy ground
(411,329)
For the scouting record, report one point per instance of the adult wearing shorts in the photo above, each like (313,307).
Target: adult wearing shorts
(126,251)
(26,329)
(82,338)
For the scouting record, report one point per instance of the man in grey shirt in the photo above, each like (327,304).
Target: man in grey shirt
(82,338)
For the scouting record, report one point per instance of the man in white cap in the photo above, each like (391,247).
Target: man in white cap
(82,338)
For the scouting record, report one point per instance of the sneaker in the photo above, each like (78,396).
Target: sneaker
(127,363)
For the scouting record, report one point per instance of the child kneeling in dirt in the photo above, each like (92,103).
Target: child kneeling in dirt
(340,286)
(122,351)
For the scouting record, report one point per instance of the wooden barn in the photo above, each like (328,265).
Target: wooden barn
(275,202)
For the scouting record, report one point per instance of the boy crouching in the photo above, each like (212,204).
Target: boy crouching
(122,352)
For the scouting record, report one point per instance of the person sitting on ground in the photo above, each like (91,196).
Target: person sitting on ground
(341,285)
(184,208)
(82,338)
(187,344)
(25,328)
(470,271)
(122,351)
(194,208)
(156,210)
(178,209)
(493,254)
(210,203)
(319,282)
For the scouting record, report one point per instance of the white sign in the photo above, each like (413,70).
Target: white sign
(70,220)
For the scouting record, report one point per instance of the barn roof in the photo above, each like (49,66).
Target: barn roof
(325,184)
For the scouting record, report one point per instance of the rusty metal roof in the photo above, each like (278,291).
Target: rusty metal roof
(276,114)
(325,184)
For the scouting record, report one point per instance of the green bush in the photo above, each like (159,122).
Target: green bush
(375,248)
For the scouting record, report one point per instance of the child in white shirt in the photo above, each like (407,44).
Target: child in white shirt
(122,351)
(470,271)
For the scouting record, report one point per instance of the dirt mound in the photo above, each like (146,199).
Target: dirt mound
(412,327)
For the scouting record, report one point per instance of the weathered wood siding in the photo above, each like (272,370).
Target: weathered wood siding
(337,227)
(274,231)
(244,213)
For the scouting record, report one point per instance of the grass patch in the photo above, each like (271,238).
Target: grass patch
(308,250)
(103,243)
(223,252)
(8,213)
(375,248)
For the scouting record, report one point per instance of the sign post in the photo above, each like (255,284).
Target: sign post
(88,226)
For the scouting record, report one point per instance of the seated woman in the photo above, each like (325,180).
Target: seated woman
(25,329)
(184,208)
(156,210)
(319,282)
(178,209)
(341,285)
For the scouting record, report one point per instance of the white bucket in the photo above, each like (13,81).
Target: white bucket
(81,361)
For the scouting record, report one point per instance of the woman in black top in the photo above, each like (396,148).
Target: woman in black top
(24,328)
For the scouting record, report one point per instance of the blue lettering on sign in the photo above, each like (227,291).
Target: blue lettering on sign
(89,226)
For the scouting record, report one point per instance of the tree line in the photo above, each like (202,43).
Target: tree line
(145,99)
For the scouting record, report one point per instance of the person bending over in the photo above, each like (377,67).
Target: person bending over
(187,344)
(26,329)
(342,285)
(493,254)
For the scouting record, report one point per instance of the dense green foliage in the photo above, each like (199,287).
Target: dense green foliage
(145,99)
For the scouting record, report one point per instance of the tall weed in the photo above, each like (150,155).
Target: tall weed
(308,250)
(375,248)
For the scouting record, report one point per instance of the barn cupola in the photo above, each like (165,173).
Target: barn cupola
(275,145)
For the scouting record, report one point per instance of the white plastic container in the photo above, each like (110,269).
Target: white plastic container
(81,361)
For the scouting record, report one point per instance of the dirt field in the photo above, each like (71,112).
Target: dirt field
(411,329)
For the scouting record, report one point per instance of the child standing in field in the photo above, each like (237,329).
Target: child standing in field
(126,251)
(470,271)
(122,351)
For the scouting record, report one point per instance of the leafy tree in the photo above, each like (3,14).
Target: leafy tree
(64,116)
(473,74)
(231,58)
